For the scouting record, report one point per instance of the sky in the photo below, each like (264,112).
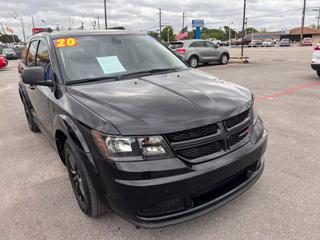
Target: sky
(144,14)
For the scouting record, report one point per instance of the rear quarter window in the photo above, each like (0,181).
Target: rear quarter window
(176,45)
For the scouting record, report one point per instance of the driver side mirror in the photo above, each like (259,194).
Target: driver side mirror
(35,76)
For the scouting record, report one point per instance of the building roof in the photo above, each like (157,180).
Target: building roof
(306,30)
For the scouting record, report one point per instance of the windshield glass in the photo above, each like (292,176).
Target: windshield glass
(98,57)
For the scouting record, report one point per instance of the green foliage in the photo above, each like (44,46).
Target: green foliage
(6,38)
(154,34)
(168,30)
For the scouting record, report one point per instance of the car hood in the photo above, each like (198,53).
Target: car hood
(163,103)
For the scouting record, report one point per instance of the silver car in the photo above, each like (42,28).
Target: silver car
(195,51)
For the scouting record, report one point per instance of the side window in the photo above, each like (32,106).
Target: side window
(210,44)
(194,44)
(31,56)
(202,44)
(43,59)
(24,55)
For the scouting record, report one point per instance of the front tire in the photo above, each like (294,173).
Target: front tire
(193,61)
(82,186)
(224,59)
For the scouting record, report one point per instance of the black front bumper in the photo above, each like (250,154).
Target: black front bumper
(163,201)
(316,67)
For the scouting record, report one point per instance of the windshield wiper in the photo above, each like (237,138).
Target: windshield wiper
(85,80)
(151,71)
(156,70)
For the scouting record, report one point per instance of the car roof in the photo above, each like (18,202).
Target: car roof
(79,33)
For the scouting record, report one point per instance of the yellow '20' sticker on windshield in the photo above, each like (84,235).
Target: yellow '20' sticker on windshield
(66,42)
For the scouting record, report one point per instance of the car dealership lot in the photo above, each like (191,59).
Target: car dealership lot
(37,202)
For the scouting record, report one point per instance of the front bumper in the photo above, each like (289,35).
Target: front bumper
(163,201)
(316,66)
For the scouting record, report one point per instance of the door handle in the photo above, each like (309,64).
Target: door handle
(31,87)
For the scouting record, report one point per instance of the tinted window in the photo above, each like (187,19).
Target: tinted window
(31,57)
(111,56)
(176,45)
(194,44)
(43,59)
(24,55)
(198,44)
(210,44)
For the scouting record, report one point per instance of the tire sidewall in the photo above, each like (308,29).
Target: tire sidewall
(69,146)
(193,62)
(224,59)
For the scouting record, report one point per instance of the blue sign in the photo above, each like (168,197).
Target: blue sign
(197,23)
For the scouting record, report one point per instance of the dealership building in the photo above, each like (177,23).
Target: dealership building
(293,35)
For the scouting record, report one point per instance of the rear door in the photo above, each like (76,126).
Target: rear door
(212,51)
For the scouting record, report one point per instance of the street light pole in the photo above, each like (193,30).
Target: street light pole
(243,25)
(183,15)
(160,23)
(105,15)
(15,16)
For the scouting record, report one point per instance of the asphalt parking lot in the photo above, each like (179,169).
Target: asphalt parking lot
(37,202)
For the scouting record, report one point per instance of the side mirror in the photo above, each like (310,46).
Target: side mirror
(35,76)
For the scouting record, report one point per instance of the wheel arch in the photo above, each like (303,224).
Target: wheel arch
(65,128)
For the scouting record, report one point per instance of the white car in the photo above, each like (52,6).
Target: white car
(316,59)
(268,43)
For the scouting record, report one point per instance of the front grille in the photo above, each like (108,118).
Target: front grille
(200,151)
(234,121)
(212,140)
(169,206)
(193,133)
(238,136)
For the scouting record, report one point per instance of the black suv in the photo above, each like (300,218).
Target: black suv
(139,132)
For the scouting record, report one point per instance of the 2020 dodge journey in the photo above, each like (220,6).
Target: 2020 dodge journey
(139,132)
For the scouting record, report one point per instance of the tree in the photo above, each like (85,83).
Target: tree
(167,31)
(154,34)
(6,38)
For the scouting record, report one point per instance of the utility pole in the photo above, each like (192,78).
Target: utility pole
(105,15)
(246,28)
(160,23)
(32,22)
(303,17)
(15,16)
(243,25)
(318,10)
(183,16)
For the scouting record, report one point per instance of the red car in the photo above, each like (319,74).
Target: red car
(3,62)
(307,42)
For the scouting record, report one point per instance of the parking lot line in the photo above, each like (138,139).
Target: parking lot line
(286,92)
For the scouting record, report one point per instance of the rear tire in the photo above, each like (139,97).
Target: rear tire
(224,59)
(31,123)
(87,198)
(193,61)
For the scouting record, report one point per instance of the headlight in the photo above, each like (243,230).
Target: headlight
(255,114)
(121,148)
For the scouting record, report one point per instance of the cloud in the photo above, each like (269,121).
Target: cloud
(143,14)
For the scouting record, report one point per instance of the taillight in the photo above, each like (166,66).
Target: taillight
(317,47)
(181,50)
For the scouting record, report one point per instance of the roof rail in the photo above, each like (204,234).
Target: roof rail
(39,30)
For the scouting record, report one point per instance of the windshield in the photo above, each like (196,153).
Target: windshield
(100,57)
